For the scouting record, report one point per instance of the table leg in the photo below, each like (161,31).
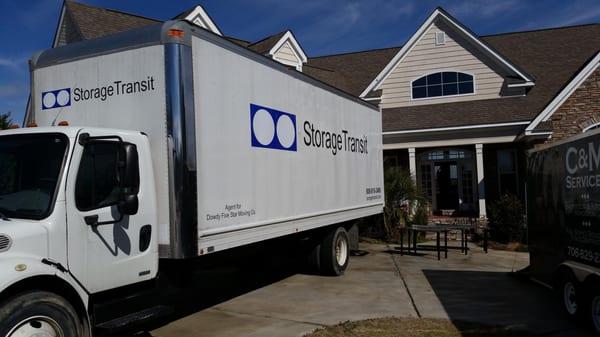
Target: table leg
(446,244)
(485,240)
(414,241)
(465,242)
(437,238)
(401,241)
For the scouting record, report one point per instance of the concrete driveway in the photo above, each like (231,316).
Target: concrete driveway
(279,303)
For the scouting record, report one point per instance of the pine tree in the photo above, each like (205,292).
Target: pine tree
(5,121)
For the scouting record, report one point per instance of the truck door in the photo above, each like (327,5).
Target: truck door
(106,247)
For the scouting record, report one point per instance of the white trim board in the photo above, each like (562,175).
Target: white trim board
(207,22)
(438,12)
(58,29)
(288,36)
(464,127)
(562,96)
(448,143)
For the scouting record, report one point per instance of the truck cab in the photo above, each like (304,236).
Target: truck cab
(77,217)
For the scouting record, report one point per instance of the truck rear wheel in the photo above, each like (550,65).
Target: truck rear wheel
(335,252)
(39,314)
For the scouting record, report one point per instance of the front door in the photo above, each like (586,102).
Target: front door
(446,174)
(108,256)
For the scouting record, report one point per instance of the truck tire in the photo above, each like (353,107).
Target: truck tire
(568,292)
(39,313)
(594,310)
(335,252)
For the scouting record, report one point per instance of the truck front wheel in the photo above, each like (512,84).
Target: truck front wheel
(39,314)
(594,310)
(568,291)
(335,252)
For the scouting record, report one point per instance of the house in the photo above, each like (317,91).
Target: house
(459,110)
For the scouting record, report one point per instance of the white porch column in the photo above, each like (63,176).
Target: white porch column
(412,163)
(480,180)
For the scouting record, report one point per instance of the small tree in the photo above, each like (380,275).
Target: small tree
(5,121)
(402,200)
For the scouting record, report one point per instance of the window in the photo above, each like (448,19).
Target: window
(507,171)
(97,180)
(448,83)
(440,38)
(30,169)
(447,155)
(426,186)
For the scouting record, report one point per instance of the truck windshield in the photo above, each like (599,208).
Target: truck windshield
(30,166)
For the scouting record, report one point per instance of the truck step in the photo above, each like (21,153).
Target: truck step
(125,323)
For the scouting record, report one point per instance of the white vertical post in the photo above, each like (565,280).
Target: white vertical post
(412,163)
(480,180)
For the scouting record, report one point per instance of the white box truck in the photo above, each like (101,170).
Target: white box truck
(179,144)
(563,212)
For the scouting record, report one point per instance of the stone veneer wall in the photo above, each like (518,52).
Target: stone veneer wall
(580,110)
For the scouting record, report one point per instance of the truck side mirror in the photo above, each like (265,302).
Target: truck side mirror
(129,179)
(130,170)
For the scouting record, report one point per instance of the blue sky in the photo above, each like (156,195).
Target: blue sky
(322,27)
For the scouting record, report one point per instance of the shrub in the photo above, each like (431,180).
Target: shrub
(403,202)
(507,219)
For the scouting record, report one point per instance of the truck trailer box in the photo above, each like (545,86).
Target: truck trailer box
(563,189)
(244,149)
(150,151)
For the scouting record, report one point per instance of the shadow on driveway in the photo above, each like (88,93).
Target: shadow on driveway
(496,298)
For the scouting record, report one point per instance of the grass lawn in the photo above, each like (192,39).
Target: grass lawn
(412,327)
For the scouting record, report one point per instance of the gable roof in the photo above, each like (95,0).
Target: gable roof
(539,123)
(94,22)
(350,72)
(91,22)
(197,15)
(441,14)
(263,46)
(537,52)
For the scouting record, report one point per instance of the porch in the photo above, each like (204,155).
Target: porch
(462,180)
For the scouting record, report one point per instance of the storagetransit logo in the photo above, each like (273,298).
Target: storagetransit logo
(64,97)
(56,98)
(272,129)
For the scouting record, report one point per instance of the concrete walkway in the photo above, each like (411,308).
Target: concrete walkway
(380,284)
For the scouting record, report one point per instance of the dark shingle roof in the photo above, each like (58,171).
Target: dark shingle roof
(263,46)
(94,22)
(350,72)
(552,56)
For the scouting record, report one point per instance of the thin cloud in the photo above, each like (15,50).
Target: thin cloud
(484,8)
(11,90)
(592,15)
(13,62)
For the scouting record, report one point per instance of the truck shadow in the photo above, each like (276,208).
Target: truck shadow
(496,298)
(192,286)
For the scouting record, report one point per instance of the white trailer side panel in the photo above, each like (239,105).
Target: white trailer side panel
(106,91)
(261,176)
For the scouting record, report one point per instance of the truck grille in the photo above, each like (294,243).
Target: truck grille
(5,242)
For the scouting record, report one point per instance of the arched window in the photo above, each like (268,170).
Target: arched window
(447,83)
